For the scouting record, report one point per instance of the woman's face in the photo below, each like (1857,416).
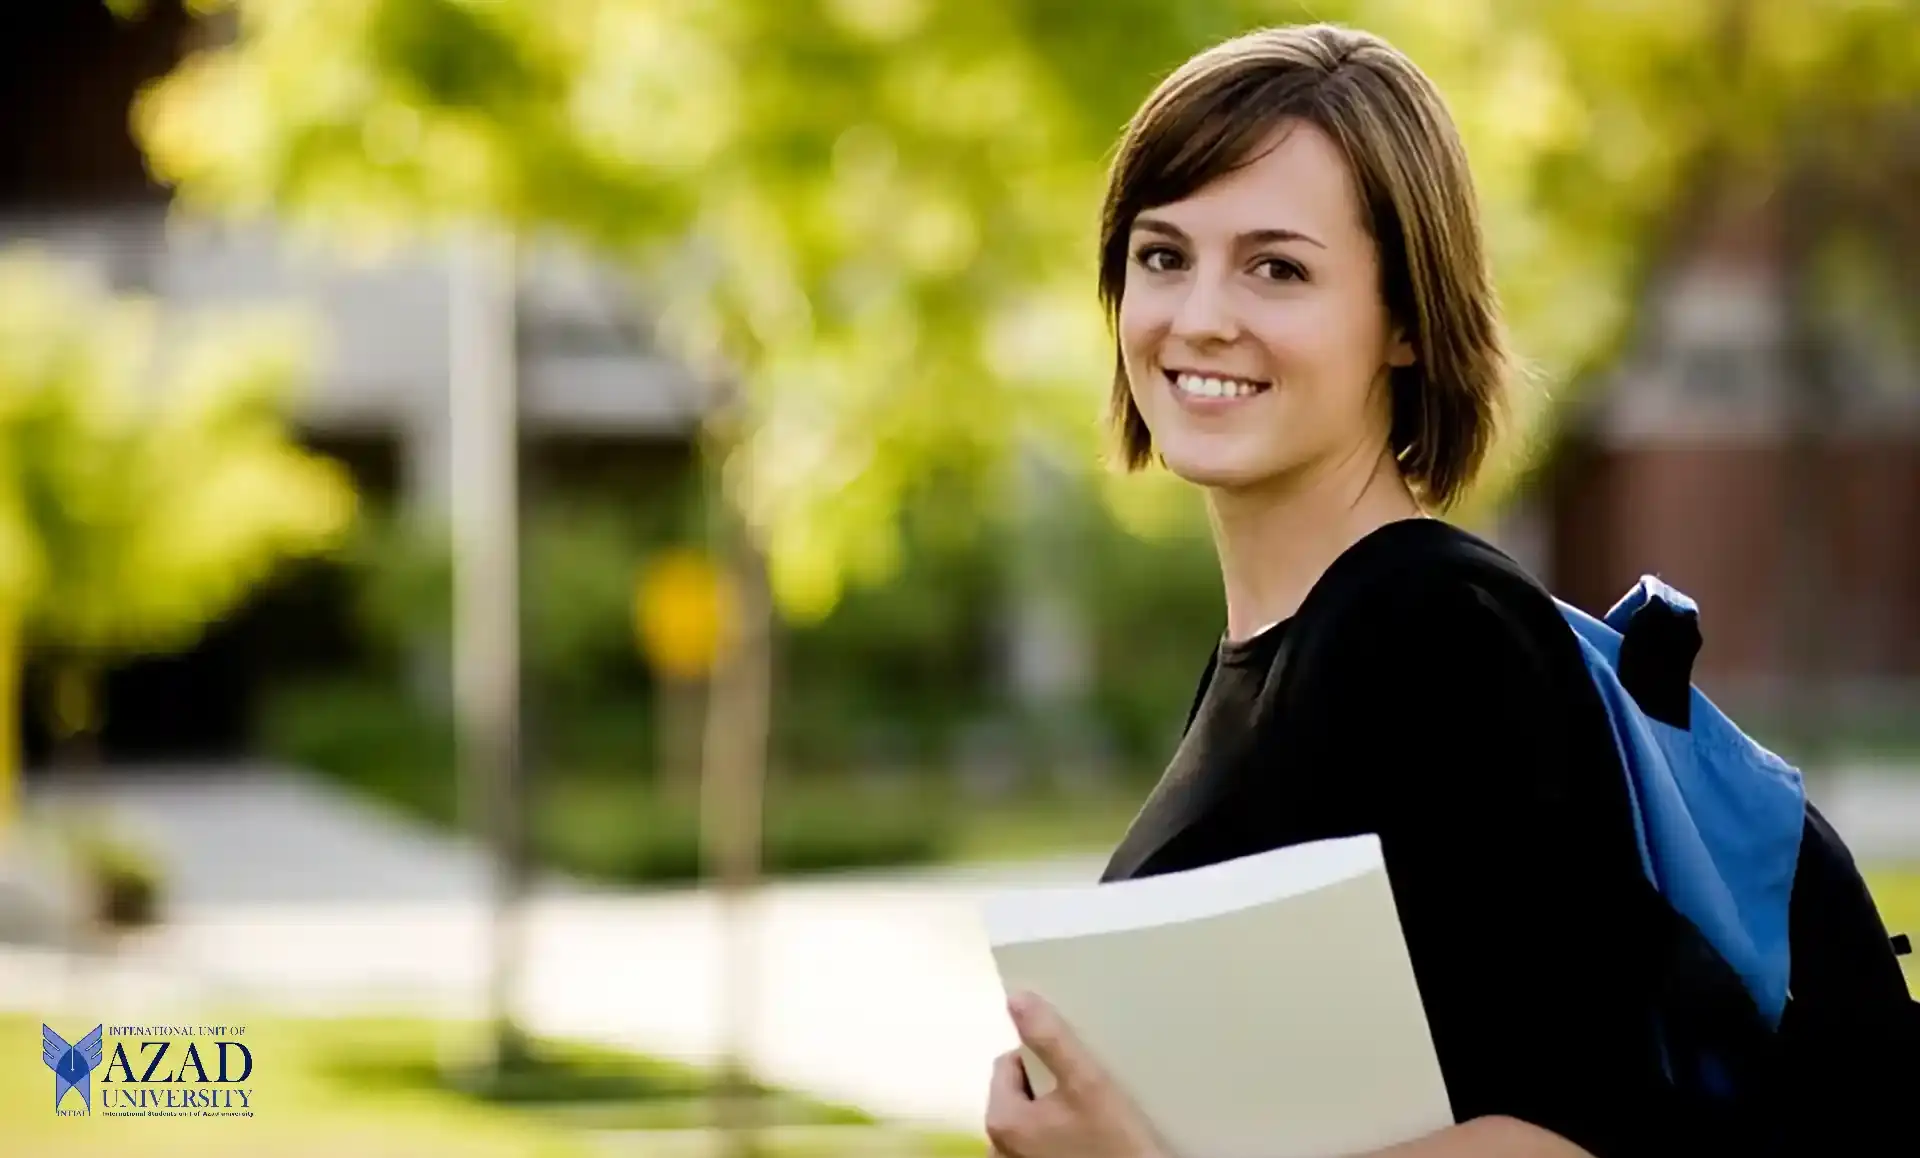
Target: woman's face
(1255,340)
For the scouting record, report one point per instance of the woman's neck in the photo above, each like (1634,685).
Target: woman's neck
(1276,540)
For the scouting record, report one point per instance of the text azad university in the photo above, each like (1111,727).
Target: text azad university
(176,1068)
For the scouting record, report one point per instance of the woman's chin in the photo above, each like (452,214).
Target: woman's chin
(1217,472)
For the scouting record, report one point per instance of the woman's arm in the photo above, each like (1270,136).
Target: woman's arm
(1489,1137)
(1513,865)
(1088,1116)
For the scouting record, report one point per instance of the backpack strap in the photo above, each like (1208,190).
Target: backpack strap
(1659,640)
(1852,1031)
(1844,959)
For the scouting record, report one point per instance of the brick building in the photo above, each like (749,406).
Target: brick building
(1684,462)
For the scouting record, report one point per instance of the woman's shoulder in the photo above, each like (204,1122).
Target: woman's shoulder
(1424,621)
(1413,561)
(1426,582)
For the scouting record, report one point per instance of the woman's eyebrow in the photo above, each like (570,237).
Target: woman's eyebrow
(1251,237)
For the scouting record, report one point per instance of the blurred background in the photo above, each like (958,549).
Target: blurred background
(550,549)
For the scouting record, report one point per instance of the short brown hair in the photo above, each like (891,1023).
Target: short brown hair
(1417,200)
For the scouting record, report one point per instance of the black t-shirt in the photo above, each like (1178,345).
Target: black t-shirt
(1429,691)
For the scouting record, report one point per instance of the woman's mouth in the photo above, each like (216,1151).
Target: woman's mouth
(1209,387)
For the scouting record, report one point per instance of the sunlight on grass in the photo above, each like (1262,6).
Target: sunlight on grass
(307,1098)
(368,1088)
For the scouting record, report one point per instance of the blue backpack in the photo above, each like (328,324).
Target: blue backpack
(1786,989)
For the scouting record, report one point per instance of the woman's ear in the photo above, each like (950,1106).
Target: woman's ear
(1400,351)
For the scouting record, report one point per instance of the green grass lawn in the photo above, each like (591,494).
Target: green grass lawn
(369,1088)
(625,832)
(1039,827)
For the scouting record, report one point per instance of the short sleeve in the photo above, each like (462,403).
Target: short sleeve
(1502,819)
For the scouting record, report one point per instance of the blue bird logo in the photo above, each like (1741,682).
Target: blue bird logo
(72,1065)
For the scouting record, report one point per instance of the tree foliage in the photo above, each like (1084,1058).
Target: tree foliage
(147,480)
(145,485)
(877,215)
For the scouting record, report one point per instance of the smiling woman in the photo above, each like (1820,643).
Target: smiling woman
(1298,259)
(1305,328)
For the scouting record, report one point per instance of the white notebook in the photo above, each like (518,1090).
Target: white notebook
(1263,1007)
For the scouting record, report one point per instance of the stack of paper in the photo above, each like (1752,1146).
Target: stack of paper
(1259,1008)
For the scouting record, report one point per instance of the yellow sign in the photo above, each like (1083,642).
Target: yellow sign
(685,614)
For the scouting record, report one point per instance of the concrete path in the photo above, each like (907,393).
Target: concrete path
(875,989)
(254,833)
(881,996)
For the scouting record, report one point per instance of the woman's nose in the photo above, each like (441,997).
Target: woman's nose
(1206,315)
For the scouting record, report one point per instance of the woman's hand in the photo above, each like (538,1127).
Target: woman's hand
(1084,1116)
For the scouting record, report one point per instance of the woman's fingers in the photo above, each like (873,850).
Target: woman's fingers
(1007,1104)
(1009,1079)
(1047,1034)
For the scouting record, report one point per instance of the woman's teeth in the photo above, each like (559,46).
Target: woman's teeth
(1201,386)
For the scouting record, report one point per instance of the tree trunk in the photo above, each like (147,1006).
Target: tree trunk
(9,720)
(74,713)
(486,644)
(739,710)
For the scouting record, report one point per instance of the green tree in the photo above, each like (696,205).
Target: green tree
(875,216)
(145,485)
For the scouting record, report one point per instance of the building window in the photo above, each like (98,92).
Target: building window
(1718,373)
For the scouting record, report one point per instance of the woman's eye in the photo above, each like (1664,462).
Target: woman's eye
(1158,258)
(1280,269)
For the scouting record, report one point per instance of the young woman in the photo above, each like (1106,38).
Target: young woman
(1306,329)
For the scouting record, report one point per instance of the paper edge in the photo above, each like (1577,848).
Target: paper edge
(1060,912)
